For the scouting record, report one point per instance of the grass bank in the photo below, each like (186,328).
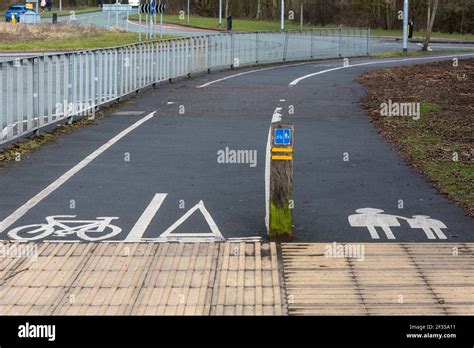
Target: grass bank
(61,36)
(440,145)
(255,25)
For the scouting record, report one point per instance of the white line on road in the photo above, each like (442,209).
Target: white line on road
(298,80)
(249,72)
(277,115)
(143,222)
(17,214)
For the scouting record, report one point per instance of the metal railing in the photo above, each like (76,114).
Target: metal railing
(36,92)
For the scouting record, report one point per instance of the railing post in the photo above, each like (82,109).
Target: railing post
(368,41)
(208,48)
(93,82)
(9,92)
(232,44)
(256,47)
(340,42)
(312,43)
(171,55)
(285,49)
(2,107)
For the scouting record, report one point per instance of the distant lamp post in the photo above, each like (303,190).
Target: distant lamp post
(188,8)
(282,15)
(301,16)
(220,14)
(405,25)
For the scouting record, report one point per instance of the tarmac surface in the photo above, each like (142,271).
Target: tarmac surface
(152,168)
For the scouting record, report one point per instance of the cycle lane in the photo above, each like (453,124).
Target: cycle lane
(183,164)
(173,155)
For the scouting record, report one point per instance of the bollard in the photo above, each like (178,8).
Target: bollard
(280,223)
(55,18)
(229,23)
(411,28)
(13,19)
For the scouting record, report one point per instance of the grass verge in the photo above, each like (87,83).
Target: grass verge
(238,24)
(421,34)
(440,145)
(255,25)
(417,53)
(17,151)
(69,11)
(61,36)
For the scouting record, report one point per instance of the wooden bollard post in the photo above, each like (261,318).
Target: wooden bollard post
(280,226)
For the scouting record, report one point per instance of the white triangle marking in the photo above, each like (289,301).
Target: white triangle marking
(214,235)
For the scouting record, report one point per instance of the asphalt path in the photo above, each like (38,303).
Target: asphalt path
(163,174)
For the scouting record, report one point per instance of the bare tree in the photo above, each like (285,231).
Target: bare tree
(259,10)
(426,42)
(227,8)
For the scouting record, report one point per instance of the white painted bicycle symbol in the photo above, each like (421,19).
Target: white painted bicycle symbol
(64,225)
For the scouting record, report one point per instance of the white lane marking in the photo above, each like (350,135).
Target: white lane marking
(250,72)
(372,219)
(275,118)
(214,235)
(17,214)
(143,222)
(128,113)
(298,80)
(244,239)
(277,115)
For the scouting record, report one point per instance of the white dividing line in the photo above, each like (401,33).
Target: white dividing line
(275,118)
(244,239)
(277,115)
(143,222)
(17,214)
(249,72)
(298,80)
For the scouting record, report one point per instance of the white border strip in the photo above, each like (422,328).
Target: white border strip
(298,80)
(251,72)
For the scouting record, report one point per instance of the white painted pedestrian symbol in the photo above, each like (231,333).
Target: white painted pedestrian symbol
(373,218)
(428,225)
